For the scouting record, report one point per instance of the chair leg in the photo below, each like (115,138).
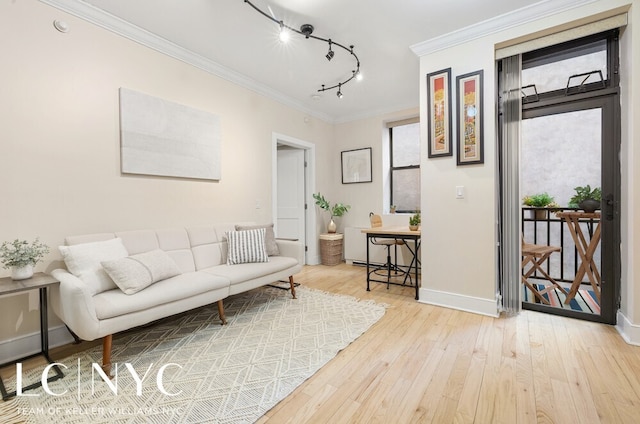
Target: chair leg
(535,291)
(106,354)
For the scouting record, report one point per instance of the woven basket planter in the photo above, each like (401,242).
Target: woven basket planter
(331,249)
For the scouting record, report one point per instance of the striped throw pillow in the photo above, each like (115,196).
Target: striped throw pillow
(246,246)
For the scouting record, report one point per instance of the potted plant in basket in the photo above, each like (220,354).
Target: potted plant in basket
(21,256)
(586,199)
(542,201)
(338,209)
(414,221)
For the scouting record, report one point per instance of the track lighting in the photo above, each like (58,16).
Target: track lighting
(330,53)
(307,31)
(284,33)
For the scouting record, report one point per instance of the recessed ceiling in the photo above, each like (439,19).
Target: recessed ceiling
(233,35)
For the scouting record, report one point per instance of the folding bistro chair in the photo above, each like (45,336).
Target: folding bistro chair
(537,255)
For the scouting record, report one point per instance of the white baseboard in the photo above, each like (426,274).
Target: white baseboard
(475,305)
(13,349)
(630,332)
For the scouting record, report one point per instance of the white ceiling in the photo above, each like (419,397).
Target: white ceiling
(239,40)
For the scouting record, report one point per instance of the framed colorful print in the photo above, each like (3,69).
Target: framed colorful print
(439,113)
(469,119)
(356,166)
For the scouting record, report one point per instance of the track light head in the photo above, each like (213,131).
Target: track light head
(330,53)
(339,93)
(284,33)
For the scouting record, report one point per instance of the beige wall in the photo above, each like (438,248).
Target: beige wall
(365,197)
(59,149)
(458,254)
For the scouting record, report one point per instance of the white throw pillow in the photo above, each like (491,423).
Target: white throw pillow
(246,247)
(269,237)
(84,261)
(137,272)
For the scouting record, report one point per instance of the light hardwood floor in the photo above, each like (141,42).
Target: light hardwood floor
(426,364)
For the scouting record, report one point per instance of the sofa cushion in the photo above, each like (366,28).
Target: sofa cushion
(243,272)
(115,303)
(84,261)
(269,237)
(246,247)
(134,273)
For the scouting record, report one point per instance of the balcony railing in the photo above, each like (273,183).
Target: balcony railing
(548,229)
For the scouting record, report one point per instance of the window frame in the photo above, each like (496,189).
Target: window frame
(393,169)
(575,48)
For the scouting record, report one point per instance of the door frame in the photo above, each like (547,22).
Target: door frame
(311,250)
(608,100)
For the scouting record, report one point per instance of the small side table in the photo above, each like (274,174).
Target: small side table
(42,282)
(331,248)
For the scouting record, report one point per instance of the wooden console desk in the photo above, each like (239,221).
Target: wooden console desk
(41,282)
(400,233)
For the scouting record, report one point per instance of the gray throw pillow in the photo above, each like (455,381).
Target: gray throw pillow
(269,237)
(246,246)
(134,273)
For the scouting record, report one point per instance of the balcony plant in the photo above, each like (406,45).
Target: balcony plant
(21,256)
(586,198)
(414,221)
(541,201)
(337,210)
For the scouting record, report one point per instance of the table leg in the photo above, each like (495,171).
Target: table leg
(44,349)
(587,265)
(368,240)
(415,256)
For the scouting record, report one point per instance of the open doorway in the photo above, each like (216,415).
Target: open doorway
(293,184)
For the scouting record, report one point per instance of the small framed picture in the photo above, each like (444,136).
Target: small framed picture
(470,118)
(439,113)
(356,166)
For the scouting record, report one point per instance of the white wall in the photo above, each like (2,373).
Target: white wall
(60,153)
(458,254)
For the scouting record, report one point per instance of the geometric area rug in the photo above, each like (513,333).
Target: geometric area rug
(190,369)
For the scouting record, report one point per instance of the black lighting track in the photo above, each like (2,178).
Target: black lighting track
(306,30)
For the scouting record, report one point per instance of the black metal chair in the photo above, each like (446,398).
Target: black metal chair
(391,269)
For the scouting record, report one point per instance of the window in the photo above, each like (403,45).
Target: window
(573,67)
(404,166)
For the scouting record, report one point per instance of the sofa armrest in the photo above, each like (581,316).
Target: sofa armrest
(72,302)
(291,248)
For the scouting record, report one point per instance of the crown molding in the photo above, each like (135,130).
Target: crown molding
(376,113)
(141,36)
(499,23)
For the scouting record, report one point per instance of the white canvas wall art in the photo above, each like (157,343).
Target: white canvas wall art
(159,137)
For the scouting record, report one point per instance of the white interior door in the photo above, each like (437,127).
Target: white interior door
(290,189)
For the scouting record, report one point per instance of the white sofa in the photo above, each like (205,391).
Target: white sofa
(201,256)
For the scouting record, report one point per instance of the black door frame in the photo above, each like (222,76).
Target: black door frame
(608,100)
